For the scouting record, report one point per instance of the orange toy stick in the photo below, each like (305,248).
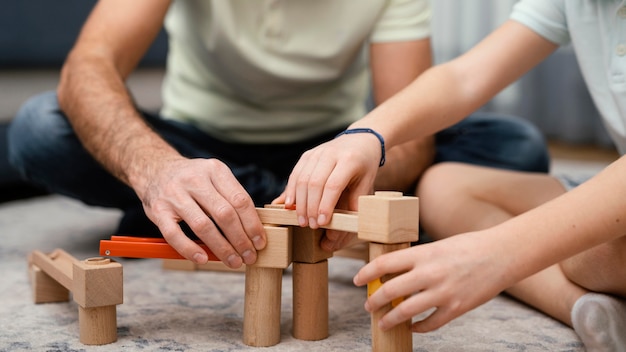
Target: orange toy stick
(144,247)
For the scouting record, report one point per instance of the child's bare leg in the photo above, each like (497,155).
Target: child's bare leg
(600,319)
(600,269)
(457,198)
(549,291)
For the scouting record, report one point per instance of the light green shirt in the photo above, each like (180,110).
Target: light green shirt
(597,31)
(278,71)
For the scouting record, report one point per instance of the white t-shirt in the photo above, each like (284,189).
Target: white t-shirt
(597,31)
(277,71)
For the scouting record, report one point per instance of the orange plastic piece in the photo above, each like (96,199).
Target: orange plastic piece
(144,247)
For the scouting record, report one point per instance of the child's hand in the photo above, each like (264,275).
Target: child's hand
(453,275)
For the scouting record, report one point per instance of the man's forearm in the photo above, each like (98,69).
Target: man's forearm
(93,96)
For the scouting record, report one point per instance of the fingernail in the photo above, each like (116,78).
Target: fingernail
(313,223)
(321,219)
(248,257)
(382,325)
(258,242)
(234,261)
(367,306)
(200,258)
(288,200)
(301,221)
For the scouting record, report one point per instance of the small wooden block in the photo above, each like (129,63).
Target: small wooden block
(97,282)
(45,288)
(277,253)
(306,245)
(388,217)
(187,265)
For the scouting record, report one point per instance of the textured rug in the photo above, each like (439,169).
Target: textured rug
(166,310)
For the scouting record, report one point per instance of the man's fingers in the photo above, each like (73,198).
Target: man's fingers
(174,235)
(231,214)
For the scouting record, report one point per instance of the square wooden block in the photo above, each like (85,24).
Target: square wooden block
(388,217)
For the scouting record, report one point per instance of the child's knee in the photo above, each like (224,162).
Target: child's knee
(441,179)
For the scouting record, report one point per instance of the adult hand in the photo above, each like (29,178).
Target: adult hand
(205,194)
(452,275)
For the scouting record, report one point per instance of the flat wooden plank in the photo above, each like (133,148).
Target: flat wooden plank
(58,265)
(341,220)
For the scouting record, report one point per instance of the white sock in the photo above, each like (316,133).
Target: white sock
(600,322)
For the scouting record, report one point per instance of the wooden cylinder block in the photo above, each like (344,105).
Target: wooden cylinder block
(261,316)
(310,300)
(97,326)
(400,337)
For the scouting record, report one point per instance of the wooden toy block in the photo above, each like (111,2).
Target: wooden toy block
(277,253)
(306,245)
(183,264)
(400,337)
(341,220)
(97,282)
(388,217)
(261,316)
(96,285)
(310,300)
(45,288)
(261,323)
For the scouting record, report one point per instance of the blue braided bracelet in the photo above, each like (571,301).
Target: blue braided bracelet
(369,130)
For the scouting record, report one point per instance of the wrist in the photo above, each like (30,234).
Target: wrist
(370,131)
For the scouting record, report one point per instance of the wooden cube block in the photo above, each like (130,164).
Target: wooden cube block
(97,282)
(277,253)
(306,245)
(388,217)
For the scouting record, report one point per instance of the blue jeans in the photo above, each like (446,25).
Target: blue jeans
(46,151)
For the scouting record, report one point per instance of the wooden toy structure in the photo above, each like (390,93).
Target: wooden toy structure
(387,220)
(96,285)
